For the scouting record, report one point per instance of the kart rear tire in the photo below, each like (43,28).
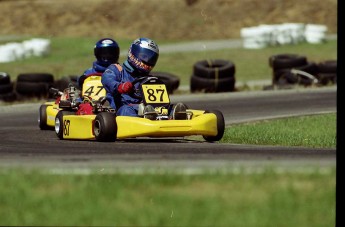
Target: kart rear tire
(105,127)
(59,125)
(42,118)
(220,126)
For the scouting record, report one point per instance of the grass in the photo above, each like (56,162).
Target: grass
(306,131)
(265,198)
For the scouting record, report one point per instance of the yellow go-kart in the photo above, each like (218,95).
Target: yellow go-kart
(68,99)
(100,122)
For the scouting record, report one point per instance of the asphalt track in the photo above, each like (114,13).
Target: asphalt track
(23,144)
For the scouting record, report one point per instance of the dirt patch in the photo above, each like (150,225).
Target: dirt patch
(170,19)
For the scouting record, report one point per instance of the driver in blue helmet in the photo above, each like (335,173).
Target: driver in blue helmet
(107,52)
(117,79)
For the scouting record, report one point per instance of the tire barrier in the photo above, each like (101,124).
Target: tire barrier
(327,72)
(213,76)
(198,84)
(33,85)
(290,69)
(7,93)
(171,81)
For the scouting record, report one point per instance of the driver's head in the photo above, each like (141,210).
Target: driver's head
(107,51)
(143,55)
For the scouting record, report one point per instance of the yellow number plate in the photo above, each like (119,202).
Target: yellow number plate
(93,87)
(155,93)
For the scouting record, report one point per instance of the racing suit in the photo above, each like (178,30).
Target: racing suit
(114,75)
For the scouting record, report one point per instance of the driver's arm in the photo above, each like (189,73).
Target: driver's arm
(111,80)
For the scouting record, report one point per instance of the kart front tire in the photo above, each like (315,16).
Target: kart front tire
(220,126)
(42,118)
(105,127)
(59,124)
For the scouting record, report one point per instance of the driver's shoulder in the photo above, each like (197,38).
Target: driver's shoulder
(117,66)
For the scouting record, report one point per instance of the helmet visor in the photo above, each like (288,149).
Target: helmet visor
(107,54)
(145,55)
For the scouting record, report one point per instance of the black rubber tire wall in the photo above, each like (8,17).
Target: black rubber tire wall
(283,61)
(213,69)
(32,89)
(171,81)
(4,78)
(211,85)
(6,88)
(35,77)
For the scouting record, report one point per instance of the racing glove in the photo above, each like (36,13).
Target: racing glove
(126,87)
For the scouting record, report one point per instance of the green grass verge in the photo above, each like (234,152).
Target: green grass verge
(307,131)
(264,198)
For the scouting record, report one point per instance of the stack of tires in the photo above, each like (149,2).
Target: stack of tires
(294,69)
(171,81)
(7,93)
(327,72)
(213,76)
(66,81)
(33,85)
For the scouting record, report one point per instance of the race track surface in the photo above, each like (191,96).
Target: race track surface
(23,144)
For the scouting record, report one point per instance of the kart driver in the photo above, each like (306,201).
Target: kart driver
(117,79)
(107,52)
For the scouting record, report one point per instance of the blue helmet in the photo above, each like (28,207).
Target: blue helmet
(143,55)
(107,51)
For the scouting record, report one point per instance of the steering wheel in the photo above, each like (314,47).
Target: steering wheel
(136,93)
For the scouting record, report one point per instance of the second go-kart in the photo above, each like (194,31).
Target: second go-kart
(92,88)
(95,120)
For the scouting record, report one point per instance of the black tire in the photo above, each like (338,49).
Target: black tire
(62,83)
(8,97)
(310,68)
(42,118)
(35,77)
(6,88)
(211,69)
(220,126)
(329,66)
(286,75)
(327,78)
(59,125)
(4,78)
(171,81)
(33,89)
(198,84)
(105,127)
(283,61)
